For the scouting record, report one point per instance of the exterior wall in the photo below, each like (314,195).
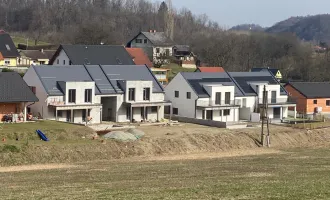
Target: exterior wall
(141,45)
(61,58)
(162,51)
(38,108)
(213,89)
(246,110)
(186,107)
(300,99)
(80,88)
(25,61)
(269,88)
(320,103)
(13,62)
(8,108)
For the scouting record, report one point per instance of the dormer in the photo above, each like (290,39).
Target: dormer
(137,91)
(80,92)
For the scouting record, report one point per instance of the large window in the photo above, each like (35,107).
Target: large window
(154,109)
(218,98)
(138,41)
(145,41)
(72,96)
(226,112)
(227,98)
(131,94)
(146,94)
(128,113)
(175,111)
(88,96)
(176,94)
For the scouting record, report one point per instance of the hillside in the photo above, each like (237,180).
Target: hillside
(311,28)
(247,27)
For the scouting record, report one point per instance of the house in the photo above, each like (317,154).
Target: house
(311,97)
(226,97)
(95,93)
(183,53)
(251,86)
(210,69)
(15,96)
(140,58)
(35,57)
(273,71)
(208,96)
(9,54)
(91,55)
(156,44)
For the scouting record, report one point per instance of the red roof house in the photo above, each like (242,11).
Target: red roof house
(139,57)
(210,69)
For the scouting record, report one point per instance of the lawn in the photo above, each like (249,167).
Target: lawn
(291,174)
(22,40)
(175,69)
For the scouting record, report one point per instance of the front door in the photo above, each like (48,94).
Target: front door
(209,115)
(68,115)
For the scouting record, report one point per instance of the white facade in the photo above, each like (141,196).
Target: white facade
(100,107)
(62,59)
(201,108)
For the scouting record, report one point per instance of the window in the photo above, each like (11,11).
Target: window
(176,94)
(226,112)
(88,95)
(218,98)
(146,94)
(128,113)
(59,113)
(7,62)
(42,62)
(244,102)
(63,62)
(70,63)
(315,101)
(227,98)
(188,95)
(328,102)
(57,61)
(131,94)
(154,109)
(138,41)
(157,50)
(72,96)
(175,111)
(145,41)
(167,52)
(220,113)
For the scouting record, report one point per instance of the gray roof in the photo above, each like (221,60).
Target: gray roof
(196,81)
(312,89)
(7,46)
(185,48)
(14,89)
(95,55)
(244,79)
(106,77)
(158,38)
(51,75)
(37,54)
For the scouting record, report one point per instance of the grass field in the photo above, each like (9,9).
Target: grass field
(290,174)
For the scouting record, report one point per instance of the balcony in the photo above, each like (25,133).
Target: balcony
(212,103)
(278,101)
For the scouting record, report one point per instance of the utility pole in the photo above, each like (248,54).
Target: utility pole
(265,137)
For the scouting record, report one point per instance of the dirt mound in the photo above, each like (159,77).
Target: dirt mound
(164,141)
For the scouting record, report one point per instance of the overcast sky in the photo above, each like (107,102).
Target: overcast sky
(263,12)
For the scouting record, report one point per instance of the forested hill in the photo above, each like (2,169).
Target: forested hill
(117,21)
(311,28)
(247,27)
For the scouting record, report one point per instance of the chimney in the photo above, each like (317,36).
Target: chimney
(155,31)
(150,31)
(42,50)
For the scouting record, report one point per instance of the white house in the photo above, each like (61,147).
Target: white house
(203,96)
(95,93)
(226,97)
(156,44)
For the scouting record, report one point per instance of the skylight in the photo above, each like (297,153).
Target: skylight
(8,47)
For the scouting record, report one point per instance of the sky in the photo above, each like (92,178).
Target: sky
(266,13)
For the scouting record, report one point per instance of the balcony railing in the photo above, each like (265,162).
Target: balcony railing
(213,103)
(282,100)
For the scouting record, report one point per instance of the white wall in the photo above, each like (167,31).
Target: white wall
(185,106)
(80,88)
(246,110)
(62,56)
(213,89)
(260,88)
